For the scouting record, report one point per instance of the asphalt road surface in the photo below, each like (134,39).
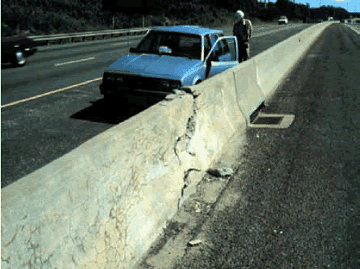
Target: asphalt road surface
(38,131)
(293,201)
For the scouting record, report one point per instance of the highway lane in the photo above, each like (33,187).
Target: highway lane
(53,68)
(60,66)
(293,202)
(37,132)
(50,64)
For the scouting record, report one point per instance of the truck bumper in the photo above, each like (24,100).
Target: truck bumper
(123,91)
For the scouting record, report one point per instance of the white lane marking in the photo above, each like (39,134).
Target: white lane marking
(52,92)
(82,60)
(118,43)
(121,43)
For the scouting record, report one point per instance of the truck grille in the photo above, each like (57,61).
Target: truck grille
(139,82)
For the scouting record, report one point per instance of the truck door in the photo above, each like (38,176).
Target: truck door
(223,55)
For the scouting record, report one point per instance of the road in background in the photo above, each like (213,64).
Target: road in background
(37,132)
(294,200)
(59,66)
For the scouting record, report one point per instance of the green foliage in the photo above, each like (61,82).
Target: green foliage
(66,16)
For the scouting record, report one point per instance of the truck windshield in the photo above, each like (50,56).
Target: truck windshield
(181,45)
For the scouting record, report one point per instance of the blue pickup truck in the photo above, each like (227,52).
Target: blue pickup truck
(168,58)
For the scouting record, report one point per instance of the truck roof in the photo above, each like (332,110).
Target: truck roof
(189,29)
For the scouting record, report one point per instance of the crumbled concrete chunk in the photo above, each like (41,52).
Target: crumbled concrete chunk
(179,92)
(170,96)
(222,172)
(195,242)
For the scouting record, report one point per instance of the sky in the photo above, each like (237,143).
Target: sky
(349,5)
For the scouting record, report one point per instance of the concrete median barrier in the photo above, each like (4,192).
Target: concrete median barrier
(276,63)
(249,94)
(105,202)
(102,204)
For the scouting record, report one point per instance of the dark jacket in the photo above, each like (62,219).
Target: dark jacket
(243,30)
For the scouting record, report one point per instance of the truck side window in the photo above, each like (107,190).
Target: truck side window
(225,45)
(218,49)
(208,46)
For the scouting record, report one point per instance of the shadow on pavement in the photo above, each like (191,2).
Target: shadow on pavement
(7,66)
(115,112)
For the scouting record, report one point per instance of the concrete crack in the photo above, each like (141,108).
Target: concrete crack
(187,182)
(182,143)
(175,151)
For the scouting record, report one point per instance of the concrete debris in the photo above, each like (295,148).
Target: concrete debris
(197,207)
(179,92)
(195,242)
(170,96)
(221,172)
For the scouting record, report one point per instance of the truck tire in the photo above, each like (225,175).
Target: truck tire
(109,98)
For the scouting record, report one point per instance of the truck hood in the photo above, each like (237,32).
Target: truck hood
(164,66)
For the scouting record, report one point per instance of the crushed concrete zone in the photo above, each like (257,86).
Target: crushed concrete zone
(181,231)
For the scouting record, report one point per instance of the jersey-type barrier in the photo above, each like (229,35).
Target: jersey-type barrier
(104,203)
(274,64)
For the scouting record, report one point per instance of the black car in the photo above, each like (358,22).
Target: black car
(16,49)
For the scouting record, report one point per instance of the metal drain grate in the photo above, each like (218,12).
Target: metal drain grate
(279,121)
(268,120)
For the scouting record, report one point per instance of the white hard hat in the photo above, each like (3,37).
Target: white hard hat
(239,15)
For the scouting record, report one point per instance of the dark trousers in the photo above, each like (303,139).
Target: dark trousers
(244,51)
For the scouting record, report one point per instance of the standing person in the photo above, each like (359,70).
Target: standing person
(242,30)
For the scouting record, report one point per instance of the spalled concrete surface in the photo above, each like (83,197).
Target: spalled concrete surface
(186,224)
(95,206)
(293,201)
(104,203)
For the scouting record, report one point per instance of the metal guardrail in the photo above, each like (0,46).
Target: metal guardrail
(83,35)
